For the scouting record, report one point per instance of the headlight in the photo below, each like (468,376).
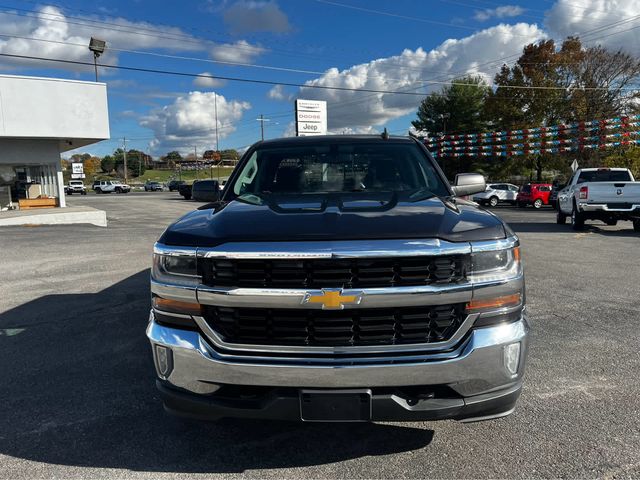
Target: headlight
(495,265)
(175,266)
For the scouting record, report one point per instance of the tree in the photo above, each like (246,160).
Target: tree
(174,156)
(107,164)
(230,154)
(135,162)
(547,86)
(92,165)
(455,108)
(80,157)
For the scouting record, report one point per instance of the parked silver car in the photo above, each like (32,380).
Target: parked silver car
(497,193)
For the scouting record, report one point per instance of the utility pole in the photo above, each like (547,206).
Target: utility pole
(215,107)
(262,120)
(124,153)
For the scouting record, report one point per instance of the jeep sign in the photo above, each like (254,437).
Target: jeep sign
(311,117)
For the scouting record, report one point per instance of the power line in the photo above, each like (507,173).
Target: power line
(400,16)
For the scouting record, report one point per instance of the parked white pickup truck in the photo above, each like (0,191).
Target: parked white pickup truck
(606,194)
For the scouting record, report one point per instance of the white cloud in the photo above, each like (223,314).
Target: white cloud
(567,18)
(249,16)
(208,81)
(51,25)
(407,71)
(504,11)
(278,93)
(238,52)
(190,121)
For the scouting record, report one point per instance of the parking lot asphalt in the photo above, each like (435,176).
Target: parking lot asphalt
(78,398)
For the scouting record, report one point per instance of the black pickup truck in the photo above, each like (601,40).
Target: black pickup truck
(339,278)
(184,189)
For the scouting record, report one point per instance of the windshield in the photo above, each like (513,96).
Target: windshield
(339,168)
(604,176)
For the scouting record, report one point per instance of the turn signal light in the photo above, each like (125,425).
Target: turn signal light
(475,306)
(175,306)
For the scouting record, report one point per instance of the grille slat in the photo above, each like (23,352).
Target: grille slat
(306,327)
(336,273)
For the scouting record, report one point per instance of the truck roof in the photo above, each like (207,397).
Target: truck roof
(320,139)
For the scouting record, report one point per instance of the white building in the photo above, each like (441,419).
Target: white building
(39,119)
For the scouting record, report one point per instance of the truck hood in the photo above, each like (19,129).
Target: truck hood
(341,217)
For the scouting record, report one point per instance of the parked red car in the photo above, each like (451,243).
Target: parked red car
(536,194)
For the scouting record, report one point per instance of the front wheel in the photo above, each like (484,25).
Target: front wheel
(493,201)
(561,218)
(577,219)
(538,203)
(118,190)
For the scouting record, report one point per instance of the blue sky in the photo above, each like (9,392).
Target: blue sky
(405,45)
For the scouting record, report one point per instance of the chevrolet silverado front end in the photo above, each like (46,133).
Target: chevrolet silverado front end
(339,279)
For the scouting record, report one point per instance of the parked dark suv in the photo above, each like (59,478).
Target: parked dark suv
(174,185)
(205,190)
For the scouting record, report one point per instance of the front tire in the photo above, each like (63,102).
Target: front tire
(561,218)
(538,203)
(118,190)
(493,201)
(577,219)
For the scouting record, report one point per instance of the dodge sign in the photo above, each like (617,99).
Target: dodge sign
(311,117)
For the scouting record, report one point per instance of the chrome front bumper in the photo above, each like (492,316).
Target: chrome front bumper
(475,367)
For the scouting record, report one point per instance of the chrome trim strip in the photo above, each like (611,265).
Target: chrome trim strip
(162,249)
(183,293)
(370,297)
(603,207)
(414,347)
(335,249)
(170,314)
(492,245)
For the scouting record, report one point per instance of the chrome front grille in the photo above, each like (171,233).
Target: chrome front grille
(334,273)
(352,327)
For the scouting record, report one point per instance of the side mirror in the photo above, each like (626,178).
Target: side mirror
(468,184)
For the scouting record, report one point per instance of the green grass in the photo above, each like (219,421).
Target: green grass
(162,176)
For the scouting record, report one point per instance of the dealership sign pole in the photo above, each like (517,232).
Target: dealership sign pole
(311,117)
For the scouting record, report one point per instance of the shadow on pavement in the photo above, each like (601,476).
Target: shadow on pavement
(78,389)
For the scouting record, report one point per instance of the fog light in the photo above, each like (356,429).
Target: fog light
(164,359)
(512,357)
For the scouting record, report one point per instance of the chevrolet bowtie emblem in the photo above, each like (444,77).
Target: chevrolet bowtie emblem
(333,299)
